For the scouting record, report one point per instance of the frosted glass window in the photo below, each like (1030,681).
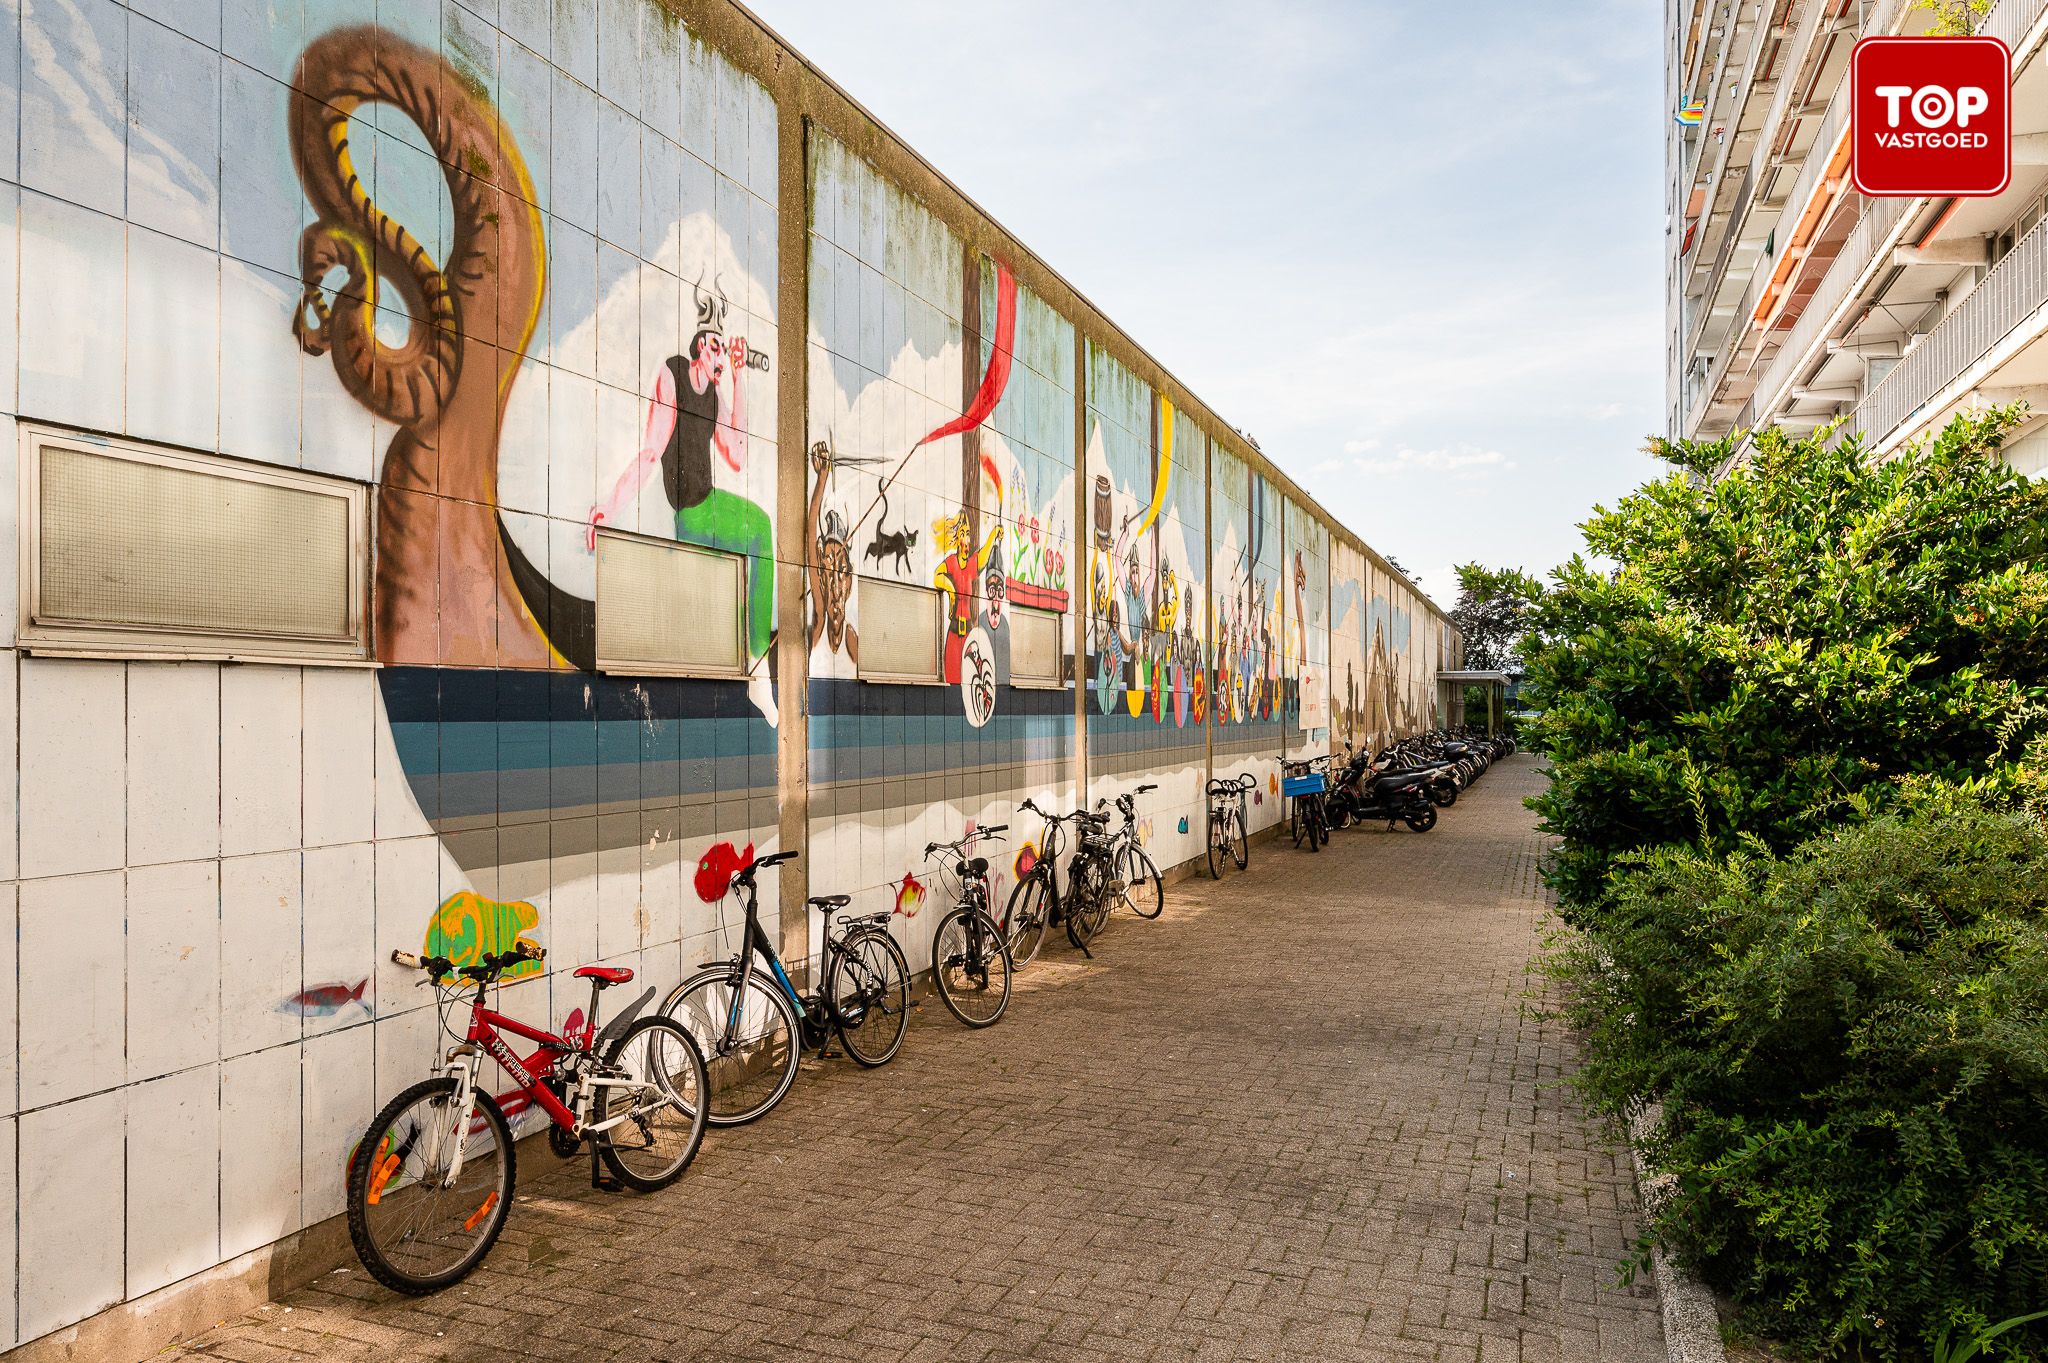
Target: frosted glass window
(1034,647)
(134,551)
(899,631)
(668,608)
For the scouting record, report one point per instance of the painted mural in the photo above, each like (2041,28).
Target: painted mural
(1347,646)
(1306,578)
(940,457)
(556,303)
(1147,598)
(520,276)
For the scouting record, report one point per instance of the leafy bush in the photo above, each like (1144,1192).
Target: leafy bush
(1798,733)
(1852,1047)
(1773,647)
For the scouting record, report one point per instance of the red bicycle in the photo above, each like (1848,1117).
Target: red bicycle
(430,1185)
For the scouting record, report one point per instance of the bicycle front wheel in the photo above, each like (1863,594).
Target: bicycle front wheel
(971,966)
(1025,917)
(749,1040)
(871,997)
(1144,887)
(660,1119)
(1240,845)
(416,1229)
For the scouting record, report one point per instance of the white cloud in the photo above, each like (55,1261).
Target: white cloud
(1467,463)
(1360,446)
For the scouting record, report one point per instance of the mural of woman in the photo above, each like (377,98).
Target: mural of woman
(697,412)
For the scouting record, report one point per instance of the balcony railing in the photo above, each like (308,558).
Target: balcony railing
(2009,21)
(1880,218)
(2015,290)
(1731,235)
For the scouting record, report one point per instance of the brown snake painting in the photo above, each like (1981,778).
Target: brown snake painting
(450,587)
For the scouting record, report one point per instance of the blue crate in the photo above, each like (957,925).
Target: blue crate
(1315,783)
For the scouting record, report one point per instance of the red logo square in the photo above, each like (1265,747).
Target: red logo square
(1930,116)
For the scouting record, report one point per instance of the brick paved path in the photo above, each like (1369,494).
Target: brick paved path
(1302,1116)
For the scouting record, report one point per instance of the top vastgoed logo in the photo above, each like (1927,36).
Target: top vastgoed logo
(1930,116)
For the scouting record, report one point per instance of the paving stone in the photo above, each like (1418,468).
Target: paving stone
(1306,1115)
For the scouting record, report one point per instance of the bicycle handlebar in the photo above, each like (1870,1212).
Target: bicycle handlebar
(487,967)
(960,842)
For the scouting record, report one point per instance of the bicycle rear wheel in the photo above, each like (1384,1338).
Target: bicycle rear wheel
(1219,844)
(871,997)
(971,966)
(1240,846)
(1088,910)
(413,1229)
(1025,917)
(751,1068)
(664,1115)
(1144,887)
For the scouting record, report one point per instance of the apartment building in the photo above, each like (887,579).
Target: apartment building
(1792,299)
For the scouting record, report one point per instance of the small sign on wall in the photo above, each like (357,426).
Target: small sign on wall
(1930,116)
(1315,698)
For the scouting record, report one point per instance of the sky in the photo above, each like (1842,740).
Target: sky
(1414,250)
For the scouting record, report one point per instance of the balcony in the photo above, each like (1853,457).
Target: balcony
(2014,292)
(1868,245)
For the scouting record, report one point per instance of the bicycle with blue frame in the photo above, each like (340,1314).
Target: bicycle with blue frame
(752,1023)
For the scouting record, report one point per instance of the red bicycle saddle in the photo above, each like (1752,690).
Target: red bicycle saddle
(604,974)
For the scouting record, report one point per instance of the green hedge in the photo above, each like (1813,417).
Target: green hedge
(1788,714)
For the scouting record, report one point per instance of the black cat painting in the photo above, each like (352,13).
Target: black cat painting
(895,544)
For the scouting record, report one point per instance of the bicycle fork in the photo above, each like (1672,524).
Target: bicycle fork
(464,1063)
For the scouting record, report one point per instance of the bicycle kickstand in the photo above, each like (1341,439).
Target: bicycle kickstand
(599,1179)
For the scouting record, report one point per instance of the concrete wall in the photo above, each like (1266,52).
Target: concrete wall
(207,864)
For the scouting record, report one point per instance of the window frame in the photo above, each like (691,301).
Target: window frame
(41,633)
(618,667)
(1054,682)
(937,676)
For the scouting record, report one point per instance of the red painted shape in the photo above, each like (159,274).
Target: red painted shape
(998,376)
(715,870)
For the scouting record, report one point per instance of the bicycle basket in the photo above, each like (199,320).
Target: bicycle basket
(1314,783)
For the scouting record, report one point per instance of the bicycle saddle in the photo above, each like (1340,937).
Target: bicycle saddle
(830,901)
(605,975)
(979,866)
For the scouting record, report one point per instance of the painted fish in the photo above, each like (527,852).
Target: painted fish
(325,1000)
(909,895)
(716,868)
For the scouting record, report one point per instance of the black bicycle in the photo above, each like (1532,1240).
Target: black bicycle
(751,1022)
(1143,888)
(1227,836)
(1306,788)
(970,959)
(1038,901)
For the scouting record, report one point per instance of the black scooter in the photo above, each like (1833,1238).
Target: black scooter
(1361,793)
